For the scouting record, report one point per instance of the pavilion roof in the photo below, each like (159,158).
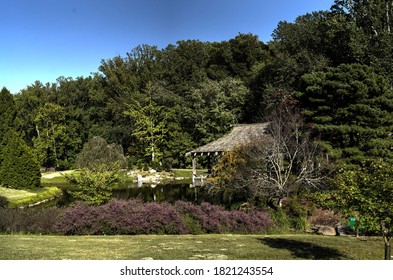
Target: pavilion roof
(241,134)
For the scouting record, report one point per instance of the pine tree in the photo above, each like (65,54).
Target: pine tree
(19,168)
(351,110)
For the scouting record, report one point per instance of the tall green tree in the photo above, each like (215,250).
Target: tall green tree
(7,117)
(7,112)
(56,142)
(372,40)
(216,106)
(351,110)
(19,168)
(150,123)
(28,103)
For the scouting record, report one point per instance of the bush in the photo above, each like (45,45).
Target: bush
(122,217)
(209,218)
(3,202)
(280,219)
(93,187)
(136,217)
(28,221)
(133,217)
(97,153)
(324,217)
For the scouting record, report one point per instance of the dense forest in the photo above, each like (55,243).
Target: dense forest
(335,66)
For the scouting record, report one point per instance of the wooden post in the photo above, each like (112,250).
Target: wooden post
(193,168)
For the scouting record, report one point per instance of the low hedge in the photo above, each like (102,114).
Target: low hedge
(133,217)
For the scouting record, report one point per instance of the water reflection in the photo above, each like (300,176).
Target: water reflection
(160,192)
(149,193)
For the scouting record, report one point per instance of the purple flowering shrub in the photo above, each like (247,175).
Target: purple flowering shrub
(133,217)
(122,217)
(215,219)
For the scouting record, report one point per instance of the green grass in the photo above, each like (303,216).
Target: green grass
(18,198)
(189,247)
(187,173)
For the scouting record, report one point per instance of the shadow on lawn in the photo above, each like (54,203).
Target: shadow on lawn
(304,250)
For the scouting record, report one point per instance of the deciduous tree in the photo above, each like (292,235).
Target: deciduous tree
(283,162)
(366,194)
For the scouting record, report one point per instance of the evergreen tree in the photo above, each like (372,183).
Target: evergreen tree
(19,168)
(351,109)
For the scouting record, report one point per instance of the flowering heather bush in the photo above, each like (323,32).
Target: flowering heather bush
(133,217)
(122,217)
(214,219)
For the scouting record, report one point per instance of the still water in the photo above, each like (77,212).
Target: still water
(148,193)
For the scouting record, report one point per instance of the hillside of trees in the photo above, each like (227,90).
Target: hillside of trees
(335,66)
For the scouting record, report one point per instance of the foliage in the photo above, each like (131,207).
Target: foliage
(217,106)
(93,187)
(320,216)
(3,202)
(150,124)
(136,217)
(7,112)
(133,217)
(7,118)
(121,217)
(365,194)
(214,219)
(98,154)
(19,168)
(54,138)
(354,120)
(283,162)
(29,221)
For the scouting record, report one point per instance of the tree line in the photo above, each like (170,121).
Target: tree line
(333,67)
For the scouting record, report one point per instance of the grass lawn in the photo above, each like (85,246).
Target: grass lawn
(189,247)
(19,198)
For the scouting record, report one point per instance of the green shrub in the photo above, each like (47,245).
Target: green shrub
(297,210)
(280,219)
(193,226)
(3,202)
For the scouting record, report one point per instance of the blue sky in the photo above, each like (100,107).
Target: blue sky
(44,39)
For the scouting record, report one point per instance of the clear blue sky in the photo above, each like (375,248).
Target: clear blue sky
(44,39)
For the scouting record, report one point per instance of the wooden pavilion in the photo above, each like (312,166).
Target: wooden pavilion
(241,134)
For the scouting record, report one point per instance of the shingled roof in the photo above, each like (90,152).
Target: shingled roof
(240,134)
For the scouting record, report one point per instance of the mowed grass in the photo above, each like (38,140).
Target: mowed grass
(189,247)
(18,198)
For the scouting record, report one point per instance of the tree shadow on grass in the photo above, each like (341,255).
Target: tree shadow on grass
(304,250)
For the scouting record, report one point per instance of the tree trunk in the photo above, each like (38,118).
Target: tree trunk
(388,254)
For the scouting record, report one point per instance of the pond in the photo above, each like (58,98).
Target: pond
(169,192)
